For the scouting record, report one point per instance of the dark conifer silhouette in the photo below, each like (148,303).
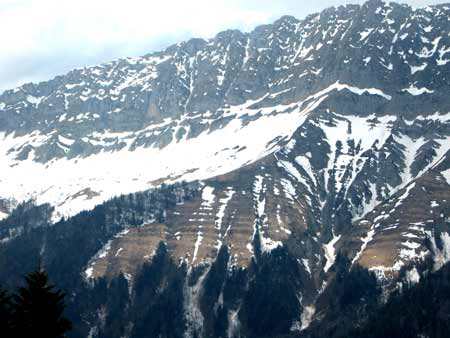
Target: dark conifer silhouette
(5,313)
(38,309)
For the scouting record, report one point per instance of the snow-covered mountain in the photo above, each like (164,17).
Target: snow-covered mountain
(203,108)
(321,135)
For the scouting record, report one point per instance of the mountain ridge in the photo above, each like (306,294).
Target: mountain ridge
(95,126)
(314,144)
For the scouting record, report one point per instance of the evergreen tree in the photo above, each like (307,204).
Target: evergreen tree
(38,309)
(5,313)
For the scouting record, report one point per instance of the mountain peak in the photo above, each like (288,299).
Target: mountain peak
(251,168)
(338,62)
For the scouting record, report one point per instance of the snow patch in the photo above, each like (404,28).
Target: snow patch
(330,252)
(193,314)
(413,90)
(208,197)
(35,100)
(359,91)
(305,263)
(418,69)
(405,195)
(223,205)
(111,173)
(441,256)
(307,316)
(412,276)
(365,34)
(3,216)
(197,244)
(446,174)
(366,240)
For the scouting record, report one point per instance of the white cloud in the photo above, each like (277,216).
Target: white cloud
(43,38)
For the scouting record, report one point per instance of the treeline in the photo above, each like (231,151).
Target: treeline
(65,248)
(421,310)
(354,311)
(132,209)
(264,298)
(25,217)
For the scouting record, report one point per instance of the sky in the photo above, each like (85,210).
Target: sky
(43,38)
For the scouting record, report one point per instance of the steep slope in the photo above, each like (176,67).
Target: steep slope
(304,139)
(231,99)
(414,310)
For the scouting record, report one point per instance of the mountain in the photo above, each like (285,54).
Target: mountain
(259,173)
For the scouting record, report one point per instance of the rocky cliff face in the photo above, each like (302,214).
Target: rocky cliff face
(307,137)
(231,99)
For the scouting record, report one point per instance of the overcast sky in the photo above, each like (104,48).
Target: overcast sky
(43,38)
